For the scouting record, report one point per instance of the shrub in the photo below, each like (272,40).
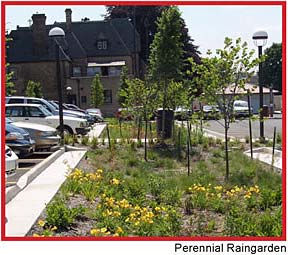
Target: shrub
(59,215)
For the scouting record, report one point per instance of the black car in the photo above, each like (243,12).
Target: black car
(19,140)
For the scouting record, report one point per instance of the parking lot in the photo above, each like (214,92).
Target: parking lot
(240,128)
(24,165)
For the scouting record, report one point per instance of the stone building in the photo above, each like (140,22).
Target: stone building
(88,48)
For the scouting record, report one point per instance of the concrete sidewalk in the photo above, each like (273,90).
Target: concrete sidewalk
(22,211)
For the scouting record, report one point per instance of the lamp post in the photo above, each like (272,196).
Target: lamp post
(260,40)
(57,33)
(68,90)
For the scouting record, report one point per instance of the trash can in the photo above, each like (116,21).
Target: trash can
(167,125)
(265,111)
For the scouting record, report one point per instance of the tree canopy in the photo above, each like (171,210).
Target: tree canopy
(145,20)
(33,89)
(221,76)
(97,92)
(272,67)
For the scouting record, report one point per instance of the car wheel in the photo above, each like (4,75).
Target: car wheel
(66,130)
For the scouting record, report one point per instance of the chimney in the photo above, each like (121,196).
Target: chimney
(40,37)
(68,19)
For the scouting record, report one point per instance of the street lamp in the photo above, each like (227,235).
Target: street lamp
(260,40)
(57,33)
(68,90)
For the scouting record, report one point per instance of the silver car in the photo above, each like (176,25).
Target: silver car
(45,137)
(11,161)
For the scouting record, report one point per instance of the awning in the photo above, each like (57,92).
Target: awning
(115,63)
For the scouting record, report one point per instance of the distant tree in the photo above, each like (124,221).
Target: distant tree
(9,85)
(227,71)
(166,58)
(33,89)
(97,92)
(272,67)
(123,85)
(145,17)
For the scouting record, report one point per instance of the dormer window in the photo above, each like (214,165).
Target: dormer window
(102,45)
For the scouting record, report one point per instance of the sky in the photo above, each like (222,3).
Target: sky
(208,25)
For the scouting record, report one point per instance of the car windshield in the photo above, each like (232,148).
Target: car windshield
(241,104)
(51,105)
(45,111)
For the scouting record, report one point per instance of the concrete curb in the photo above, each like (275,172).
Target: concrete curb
(27,178)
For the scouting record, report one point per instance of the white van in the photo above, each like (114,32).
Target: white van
(241,109)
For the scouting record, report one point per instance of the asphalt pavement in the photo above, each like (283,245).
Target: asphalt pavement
(240,128)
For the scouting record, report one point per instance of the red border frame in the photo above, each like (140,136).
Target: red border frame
(213,3)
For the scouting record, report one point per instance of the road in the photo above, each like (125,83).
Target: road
(240,128)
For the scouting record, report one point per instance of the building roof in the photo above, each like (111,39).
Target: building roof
(254,89)
(80,41)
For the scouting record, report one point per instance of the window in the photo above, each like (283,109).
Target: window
(36,101)
(115,70)
(108,96)
(16,111)
(93,70)
(102,45)
(34,112)
(16,101)
(83,99)
(76,71)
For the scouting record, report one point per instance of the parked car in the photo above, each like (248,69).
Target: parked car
(210,112)
(124,114)
(11,161)
(79,113)
(35,113)
(73,107)
(182,113)
(44,136)
(241,109)
(46,104)
(96,114)
(19,140)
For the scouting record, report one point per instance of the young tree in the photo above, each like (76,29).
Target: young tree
(221,76)
(33,89)
(97,92)
(165,60)
(123,85)
(140,100)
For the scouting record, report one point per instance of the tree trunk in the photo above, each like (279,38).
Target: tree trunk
(226,149)
(145,138)
(163,112)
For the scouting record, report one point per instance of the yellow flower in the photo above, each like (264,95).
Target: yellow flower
(54,228)
(119,230)
(103,230)
(218,188)
(99,171)
(94,231)
(41,223)
(115,181)
(157,209)
(36,235)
